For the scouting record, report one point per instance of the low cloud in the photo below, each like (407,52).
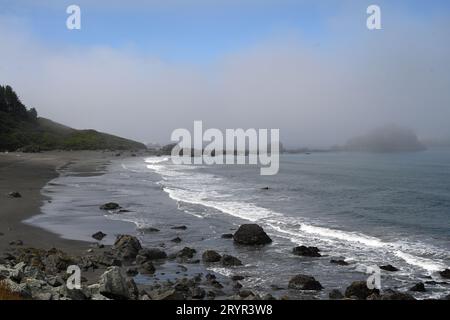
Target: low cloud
(318,94)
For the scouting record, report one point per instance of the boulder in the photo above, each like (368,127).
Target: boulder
(110,206)
(176,240)
(165,294)
(418,287)
(113,285)
(14,194)
(186,253)
(304,282)
(127,247)
(99,235)
(445,274)
(389,268)
(335,294)
(230,261)
(227,236)
(179,228)
(149,230)
(237,278)
(198,293)
(210,256)
(251,234)
(360,290)
(306,251)
(152,253)
(147,268)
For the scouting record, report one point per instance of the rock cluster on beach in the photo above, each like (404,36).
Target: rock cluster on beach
(108,273)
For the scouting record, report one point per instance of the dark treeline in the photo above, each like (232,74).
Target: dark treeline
(21,129)
(11,104)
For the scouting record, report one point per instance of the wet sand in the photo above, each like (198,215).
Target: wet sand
(28,174)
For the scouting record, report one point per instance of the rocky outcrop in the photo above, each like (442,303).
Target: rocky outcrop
(14,194)
(149,254)
(211,256)
(418,287)
(389,268)
(339,262)
(445,274)
(251,234)
(110,206)
(127,247)
(335,294)
(230,261)
(114,285)
(306,251)
(304,282)
(99,235)
(359,290)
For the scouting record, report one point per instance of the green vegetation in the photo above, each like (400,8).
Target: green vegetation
(22,129)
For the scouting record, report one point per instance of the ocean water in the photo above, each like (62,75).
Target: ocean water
(369,209)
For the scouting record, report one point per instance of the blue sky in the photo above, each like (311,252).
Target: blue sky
(141,69)
(198,30)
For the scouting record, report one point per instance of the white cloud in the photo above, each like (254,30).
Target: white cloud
(316,94)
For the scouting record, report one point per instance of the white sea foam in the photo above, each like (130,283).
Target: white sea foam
(202,189)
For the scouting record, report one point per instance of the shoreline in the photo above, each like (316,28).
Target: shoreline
(161,272)
(28,173)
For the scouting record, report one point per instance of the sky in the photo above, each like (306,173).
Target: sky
(309,68)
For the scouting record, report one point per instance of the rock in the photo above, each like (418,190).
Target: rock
(395,295)
(56,261)
(374,296)
(148,230)
(179,228)
(72,294)
(304,282)
(335,294)
(147,268)
(198,293)
(168,294)
(16,243)
(245,293)
(306,251)
(445,274)
(251,234)
(418,287)
(237,278)
(14,194)
(99,235)
(55,281)
(230,261)
(113,285)
(110,206)
(127,247)
(152,253)
(359,290)
(186,253)
(227,236)
(389,268)
(339,262)
(210,256)
(176,240)
(131,272)
(237,285)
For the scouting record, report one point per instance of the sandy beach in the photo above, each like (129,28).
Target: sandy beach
(28,174)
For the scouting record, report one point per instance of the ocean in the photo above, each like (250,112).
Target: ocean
(369,209)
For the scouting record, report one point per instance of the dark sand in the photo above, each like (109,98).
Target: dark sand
(27,174)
